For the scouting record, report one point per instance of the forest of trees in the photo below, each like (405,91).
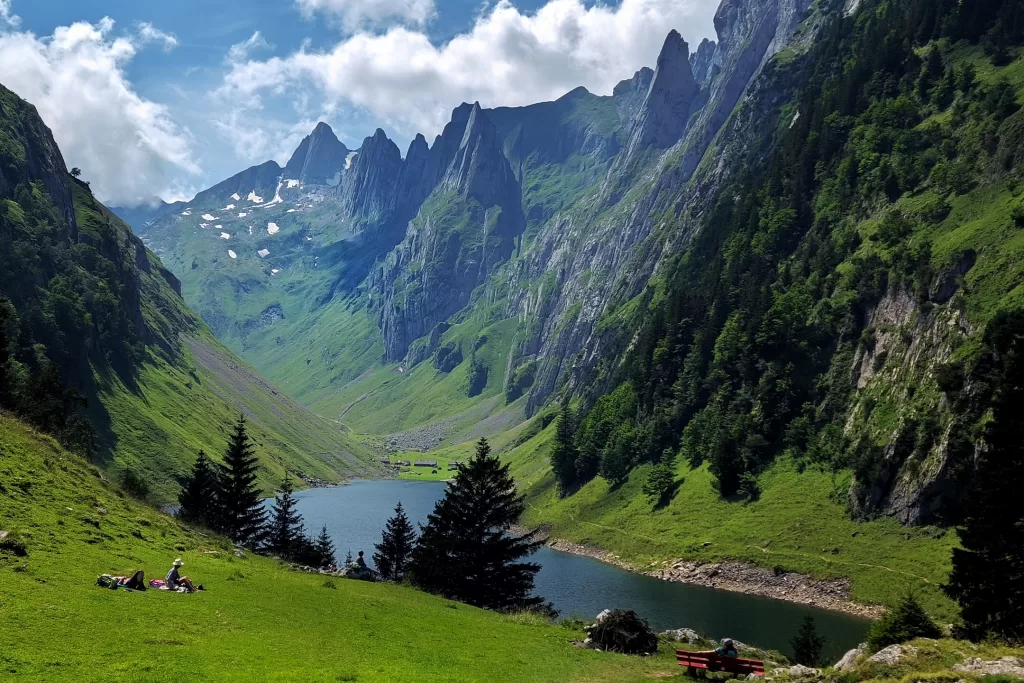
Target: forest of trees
(746,352)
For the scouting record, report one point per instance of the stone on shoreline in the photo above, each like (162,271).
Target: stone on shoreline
(893,654)
(849,660)
(683,635)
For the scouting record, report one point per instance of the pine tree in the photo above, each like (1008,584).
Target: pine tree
(467,550)
(807,644)
(241,511)
(394,552)
(325,548)
(198,497)
(565,453)
(285,531)
(987,579)
(662,477)
(906,621)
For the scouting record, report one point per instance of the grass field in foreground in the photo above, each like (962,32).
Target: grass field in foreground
(257,622)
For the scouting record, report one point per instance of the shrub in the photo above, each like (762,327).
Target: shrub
(134,485)
(624,631)
(906,621)
(12,543)
(1017,214)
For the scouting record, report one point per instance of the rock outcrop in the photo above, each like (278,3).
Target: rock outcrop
(664,114)
(319,159)
(894,654)
(1005,666)
(849,661)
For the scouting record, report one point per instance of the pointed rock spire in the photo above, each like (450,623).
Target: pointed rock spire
(666,108)
(318,159)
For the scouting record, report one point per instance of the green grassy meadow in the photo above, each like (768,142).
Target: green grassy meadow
(258,621)
(800,523)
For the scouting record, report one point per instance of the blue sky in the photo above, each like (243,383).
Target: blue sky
(166,98)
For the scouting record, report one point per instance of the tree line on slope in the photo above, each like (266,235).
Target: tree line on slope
(747,342)
(466,551)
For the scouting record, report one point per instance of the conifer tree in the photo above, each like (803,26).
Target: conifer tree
(807,644)
(987,579)
(467,550)
(565,453)
(285,532)
(325,549)
(394,552)
(198,497)
(241,511)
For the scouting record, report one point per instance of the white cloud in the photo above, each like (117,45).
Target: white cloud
(7,15)
(356,14)
(507,58)
(127,146)
(149,33)
(240,51)
(256,138)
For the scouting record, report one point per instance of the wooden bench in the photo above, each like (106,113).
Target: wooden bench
(696,662)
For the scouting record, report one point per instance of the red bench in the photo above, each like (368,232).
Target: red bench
(703,661)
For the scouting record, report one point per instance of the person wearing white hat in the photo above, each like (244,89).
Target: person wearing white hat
(175,581)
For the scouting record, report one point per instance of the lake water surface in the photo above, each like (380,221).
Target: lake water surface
(581,586)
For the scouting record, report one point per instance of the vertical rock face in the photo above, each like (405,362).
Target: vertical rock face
(319,157)
(466,228)
(666,109)
(368,190)
(630,94)
(701,61)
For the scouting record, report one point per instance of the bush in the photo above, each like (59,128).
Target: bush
(906,621)
(134,485)
(624,631)
(1017,214)
(12,543)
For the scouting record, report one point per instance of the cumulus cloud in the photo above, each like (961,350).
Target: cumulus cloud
(7,15)
(242,50)
(507,58)
(355,14)
(127,146)
(256,138)
(149,33)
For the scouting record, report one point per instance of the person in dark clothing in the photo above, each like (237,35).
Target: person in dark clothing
(360,561)
(728,649)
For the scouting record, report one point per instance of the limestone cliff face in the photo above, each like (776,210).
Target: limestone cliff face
(605,253)
(466,228)
(663,116)
(319,159)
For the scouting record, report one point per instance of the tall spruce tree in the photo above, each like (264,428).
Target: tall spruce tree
(285,532)
(198,497)
(394,552)
(565,453)
(325,549)
(987,579)
(807,644)
(467,550)
(240,509)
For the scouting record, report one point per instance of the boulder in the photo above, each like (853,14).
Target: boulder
(1006,666)
(893,654)
(801,671)
(849,660)
(683,635)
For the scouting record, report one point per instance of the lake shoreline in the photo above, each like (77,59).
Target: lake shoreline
(736,577)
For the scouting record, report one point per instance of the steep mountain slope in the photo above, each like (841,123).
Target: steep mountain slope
(89,306)
(521,219)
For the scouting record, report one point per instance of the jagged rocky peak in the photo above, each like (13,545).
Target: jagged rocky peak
(479,168)
(663,116)
(368,187)
(630,94)
(319,158)
(702,61)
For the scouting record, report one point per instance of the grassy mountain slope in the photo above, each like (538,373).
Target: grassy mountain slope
(89,300)
(256,621)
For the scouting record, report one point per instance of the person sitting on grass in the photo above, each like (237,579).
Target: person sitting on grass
(177,582)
